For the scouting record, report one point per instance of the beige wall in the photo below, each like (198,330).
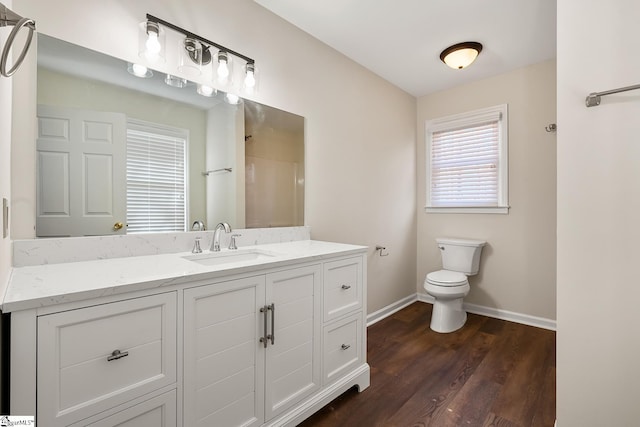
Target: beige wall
(63,90)
(517,270)
(360,130)
(598,215)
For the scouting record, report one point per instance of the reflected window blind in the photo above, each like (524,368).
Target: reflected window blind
(156,184)
(464,166)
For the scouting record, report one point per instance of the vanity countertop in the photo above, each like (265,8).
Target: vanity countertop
(44,285)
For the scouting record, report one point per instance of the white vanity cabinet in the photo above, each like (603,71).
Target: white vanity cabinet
(251,347)
(262,344)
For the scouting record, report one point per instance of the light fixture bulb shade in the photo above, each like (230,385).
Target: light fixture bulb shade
(224,68)
(461,55)
(190,57)
(206,90)
(139,70)
(232,98)
(151,42)
(251,74)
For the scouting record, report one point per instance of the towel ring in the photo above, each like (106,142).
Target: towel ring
(9,18)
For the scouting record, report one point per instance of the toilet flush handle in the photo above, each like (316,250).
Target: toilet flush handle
(441,248)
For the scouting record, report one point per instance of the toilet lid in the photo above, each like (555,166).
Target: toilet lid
(447,278)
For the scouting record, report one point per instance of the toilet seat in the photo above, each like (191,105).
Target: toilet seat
(447,278)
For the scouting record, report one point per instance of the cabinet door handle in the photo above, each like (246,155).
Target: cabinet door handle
(117,354)
(345,346)
(345,287)
(265,338)
(272,307)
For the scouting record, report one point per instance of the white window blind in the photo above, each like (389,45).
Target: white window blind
(467,161)
(156,184)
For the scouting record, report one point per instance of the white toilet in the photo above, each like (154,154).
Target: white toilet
(449,286)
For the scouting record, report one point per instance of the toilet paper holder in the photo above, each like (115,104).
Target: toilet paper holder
(381,249)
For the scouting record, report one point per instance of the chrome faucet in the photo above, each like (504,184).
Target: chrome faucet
(215,246)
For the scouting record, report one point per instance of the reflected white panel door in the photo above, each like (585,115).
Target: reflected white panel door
(293,360)
(81,182)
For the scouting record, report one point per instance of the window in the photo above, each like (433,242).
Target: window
(467,162)
(156,178)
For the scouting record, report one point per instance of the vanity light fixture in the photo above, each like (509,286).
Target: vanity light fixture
(195,51)
(461,55)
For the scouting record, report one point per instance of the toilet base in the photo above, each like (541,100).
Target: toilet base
(448,315)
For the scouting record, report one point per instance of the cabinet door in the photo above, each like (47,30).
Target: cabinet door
(293,360)
(223,356)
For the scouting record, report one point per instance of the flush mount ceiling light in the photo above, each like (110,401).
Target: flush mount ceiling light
(461,55)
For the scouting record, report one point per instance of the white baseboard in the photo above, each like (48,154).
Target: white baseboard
(387,311)
(525,319)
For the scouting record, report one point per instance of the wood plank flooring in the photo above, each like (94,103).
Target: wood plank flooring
(490,373)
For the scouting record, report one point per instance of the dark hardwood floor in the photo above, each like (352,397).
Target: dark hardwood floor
(489,373)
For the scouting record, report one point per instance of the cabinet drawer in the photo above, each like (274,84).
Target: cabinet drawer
(342,287)
(342,347)
(157,412)
(80,372)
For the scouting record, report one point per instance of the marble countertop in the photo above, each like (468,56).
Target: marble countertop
(45,285)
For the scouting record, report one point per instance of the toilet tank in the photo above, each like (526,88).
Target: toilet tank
(462,255)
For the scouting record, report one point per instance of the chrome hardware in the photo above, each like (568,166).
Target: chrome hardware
(272,337)
(117,226)
(232,243)
(441,248)
(381,249)
(198,226)
(117,354)
(215,245)
(345,287)
(196,247)
(345,346)
(10,18)
(264,339)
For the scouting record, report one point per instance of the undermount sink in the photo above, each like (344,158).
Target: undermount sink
(231,256)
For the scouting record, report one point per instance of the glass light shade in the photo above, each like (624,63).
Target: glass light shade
(206,90)
(151,42)
(139,70)
(223,68)
(461,55)
(190,57)
(250,83)
(174,81)
(232,98)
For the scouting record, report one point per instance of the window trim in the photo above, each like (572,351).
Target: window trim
(469,119)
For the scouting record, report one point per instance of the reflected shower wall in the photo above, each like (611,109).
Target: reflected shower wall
(274,172)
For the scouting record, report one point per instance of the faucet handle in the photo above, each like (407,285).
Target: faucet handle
(196,247)
(232,243)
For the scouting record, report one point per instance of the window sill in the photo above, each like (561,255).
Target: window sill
(496,210)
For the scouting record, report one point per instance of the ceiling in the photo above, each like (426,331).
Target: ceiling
(401,40)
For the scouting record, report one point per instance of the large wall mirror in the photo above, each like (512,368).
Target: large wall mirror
(124,153)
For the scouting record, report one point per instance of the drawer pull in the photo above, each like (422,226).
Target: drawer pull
(345,346)
(345,287)
(117,354)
